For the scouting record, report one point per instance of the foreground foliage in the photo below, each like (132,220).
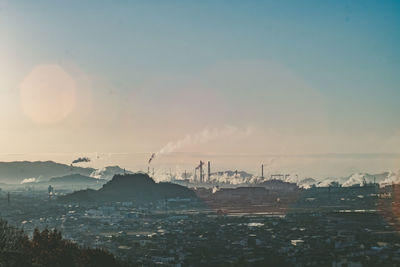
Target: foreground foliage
(47,248)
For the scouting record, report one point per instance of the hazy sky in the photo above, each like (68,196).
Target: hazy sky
(293,84)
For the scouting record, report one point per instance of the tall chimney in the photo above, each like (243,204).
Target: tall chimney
(262,171)
(209,172)
(201,171)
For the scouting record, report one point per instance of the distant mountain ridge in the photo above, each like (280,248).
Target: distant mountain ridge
(26,171)
(16,171)
(137,187)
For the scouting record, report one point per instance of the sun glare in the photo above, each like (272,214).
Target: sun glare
(47,94)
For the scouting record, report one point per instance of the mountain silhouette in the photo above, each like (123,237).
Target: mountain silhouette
(137,187)
(16,171)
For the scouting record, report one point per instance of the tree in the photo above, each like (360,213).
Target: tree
(47,248)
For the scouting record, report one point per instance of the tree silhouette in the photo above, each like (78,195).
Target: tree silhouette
(47,248)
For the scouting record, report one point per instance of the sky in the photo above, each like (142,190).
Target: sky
(307,87)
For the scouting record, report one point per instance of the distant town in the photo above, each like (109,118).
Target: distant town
(201,222)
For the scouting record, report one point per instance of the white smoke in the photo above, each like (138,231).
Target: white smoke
(108,172)
(202,137)
(393,177)
(356,178)
(360,178)
(28,180)
(326,182)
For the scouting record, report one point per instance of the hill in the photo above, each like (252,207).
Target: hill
(15,172)
(68,182)
(137,187)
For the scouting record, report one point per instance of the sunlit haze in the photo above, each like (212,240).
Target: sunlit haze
(199,133)
(236,83)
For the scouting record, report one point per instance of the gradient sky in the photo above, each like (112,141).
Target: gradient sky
(310,87)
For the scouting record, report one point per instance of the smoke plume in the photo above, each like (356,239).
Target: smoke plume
(28,180)
(84,159)
(202,137)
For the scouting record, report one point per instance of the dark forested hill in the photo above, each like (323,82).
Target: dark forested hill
(137,187)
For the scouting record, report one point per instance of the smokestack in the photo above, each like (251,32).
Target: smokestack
(152,157)
(49,190)
(8,198)
(262,171)
(209,172)
(201,171)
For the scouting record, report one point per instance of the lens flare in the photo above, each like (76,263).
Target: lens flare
(47,94)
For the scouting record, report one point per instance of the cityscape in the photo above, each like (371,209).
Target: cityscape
(209,223)
(199,133)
